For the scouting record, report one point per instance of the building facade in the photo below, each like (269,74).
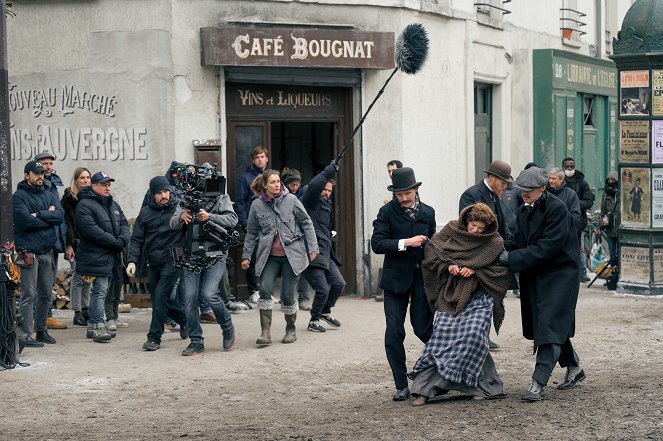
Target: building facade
(127,86)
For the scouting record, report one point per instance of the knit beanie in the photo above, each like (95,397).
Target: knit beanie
(290,175)
(159,183)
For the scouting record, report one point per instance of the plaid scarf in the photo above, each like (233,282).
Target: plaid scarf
(414,209)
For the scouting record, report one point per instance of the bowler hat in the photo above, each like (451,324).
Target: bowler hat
(533,177)
(33,166)
(101,177)
(403,179)
(44,155)
(500,169)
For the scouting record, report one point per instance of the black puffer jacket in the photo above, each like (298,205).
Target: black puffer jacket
(103,231)
(586,197)
(36,233)
(152,236)
(320,211)
(69,203)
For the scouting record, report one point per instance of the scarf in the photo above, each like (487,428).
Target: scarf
(268,199)
(414,209)
(455,245)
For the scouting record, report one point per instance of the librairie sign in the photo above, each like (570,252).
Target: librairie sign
(293,47)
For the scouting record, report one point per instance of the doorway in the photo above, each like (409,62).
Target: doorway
(483,113)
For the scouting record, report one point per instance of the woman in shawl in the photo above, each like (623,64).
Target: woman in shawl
(466,289)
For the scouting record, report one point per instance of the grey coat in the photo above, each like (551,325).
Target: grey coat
(288,216)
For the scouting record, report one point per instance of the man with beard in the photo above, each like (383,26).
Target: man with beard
(401,229)
(37,216)
(153,236)
(575,179)
(544,251)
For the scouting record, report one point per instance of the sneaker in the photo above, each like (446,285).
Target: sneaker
(32,343)
(151,345)
(52,323)
(314,325)
(379,298)
(228,338)
(305,305)
(207,317)
(232,306)
(43,337)
(193,349)
(120,324)
(331,320)
(184,332)
(79,320)
(253,298)
(111,326)
(171,327)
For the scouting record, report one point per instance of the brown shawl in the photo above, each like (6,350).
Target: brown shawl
(453,244)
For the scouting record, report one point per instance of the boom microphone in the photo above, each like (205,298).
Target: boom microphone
(410,53)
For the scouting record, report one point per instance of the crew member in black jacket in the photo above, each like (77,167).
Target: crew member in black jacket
(401,229)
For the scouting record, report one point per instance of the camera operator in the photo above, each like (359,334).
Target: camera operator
(219,212)
(152,238)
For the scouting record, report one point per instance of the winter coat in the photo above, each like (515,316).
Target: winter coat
(570,199)
(152,237)
(244,195)
(36,234)
(510,202)
(320,211)
(220,212)
(69,204)
(586,197)
(392,224)
(544,250)
(481,193)
(103,231)
(62,230)
(610,208)
(288,216)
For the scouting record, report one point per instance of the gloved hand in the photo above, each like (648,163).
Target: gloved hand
(336,164)
(131,269)
(503,258)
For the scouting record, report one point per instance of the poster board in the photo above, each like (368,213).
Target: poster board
(634,264)
(635,186)
(634,93)
(634,141)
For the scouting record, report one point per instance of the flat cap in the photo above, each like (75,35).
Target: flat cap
(533,177)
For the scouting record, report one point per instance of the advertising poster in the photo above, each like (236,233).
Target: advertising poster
(635,264)
(657,92)
(634,141)
(634,92)
(657,142)
(657,197)
(634,196)
(658,265)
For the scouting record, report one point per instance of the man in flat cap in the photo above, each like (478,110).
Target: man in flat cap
(37,214)
(544,250)
(401,229)
(489,191)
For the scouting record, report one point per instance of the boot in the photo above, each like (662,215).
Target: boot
(79,320)
(97,332)
(290,335)
(265,324)
(85,312)
(228,337)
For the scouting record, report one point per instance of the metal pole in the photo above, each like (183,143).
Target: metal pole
(8,346)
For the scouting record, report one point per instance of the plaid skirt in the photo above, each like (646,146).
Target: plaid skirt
(459,343)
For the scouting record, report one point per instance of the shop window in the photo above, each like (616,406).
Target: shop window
(588,111)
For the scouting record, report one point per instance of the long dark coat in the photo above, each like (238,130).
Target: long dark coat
(391,225)
(544,250)
(481,193)
(320,211)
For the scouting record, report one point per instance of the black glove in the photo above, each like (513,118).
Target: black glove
(502,259)
(336,164)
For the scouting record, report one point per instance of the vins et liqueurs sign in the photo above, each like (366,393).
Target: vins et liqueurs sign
(292,47)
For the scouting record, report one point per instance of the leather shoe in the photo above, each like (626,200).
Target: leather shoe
(492,345)
(401,394)
(584,278)
(571,379)
(32,343)
(535,392)
(45,338)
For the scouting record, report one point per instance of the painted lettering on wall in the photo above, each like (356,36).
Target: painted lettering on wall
(284,99)
(246,46)
(65,99)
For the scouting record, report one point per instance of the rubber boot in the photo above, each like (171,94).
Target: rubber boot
(265,324)
(290,335)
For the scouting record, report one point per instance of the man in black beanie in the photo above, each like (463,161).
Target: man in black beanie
(153,236)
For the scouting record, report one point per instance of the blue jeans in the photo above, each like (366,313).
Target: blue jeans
(278,266)
(36,288)
(328,285)
(98,299)
(302,289)
(613,246)
(79,290)
(161,280)
(205,284)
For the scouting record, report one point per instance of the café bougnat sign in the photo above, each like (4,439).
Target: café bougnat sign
(293,47)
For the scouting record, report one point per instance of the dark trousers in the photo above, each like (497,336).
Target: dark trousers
(328,285)
(421,318)
(161,280)
(112,300)
(548,355)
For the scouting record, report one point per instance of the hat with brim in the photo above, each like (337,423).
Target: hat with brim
(533,177)
(101,177)
(403,179)
(34,167)
(500,169)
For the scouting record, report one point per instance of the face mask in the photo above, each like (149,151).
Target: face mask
(569,173)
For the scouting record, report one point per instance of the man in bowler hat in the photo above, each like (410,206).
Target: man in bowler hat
(544,250)
(400,231)
(489,191)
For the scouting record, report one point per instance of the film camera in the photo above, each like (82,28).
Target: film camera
(198,186)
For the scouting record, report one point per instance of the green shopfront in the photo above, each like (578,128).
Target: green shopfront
(575,113)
